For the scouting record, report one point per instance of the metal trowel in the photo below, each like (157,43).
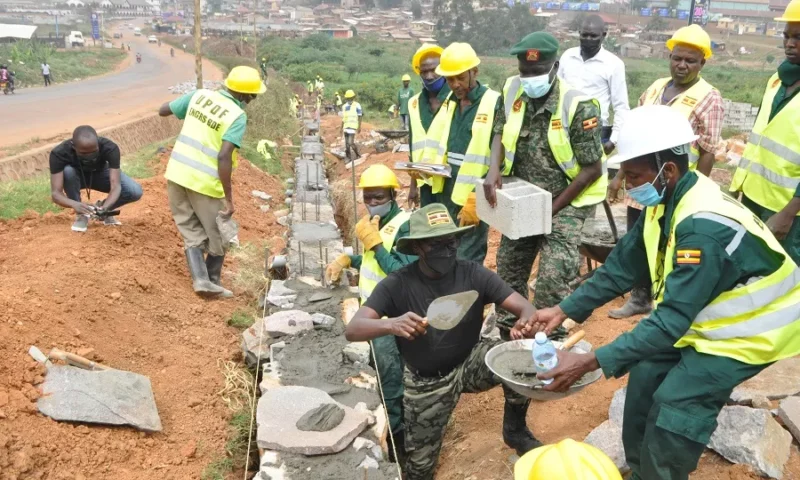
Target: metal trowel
(446,312)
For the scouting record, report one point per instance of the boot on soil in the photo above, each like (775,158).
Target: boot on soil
(638,303)
(81,223)
(197,268)
(214,267)
(515,430)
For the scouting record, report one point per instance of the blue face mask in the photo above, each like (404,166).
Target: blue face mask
(538,86)
(434,85)
(646,194)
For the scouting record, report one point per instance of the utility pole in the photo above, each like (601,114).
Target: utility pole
(255,33)
(198,56)
(691,11)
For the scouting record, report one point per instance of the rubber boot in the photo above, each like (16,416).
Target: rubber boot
(214,267)
(515,430)
(197,268)
(638,303)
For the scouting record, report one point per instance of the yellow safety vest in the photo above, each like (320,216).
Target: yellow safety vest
(557,136)
(769,170)
(371,273)
(193,163)
(475,162)
(684,102)
(338,101)
(756,323)
(350,115)
(423,141)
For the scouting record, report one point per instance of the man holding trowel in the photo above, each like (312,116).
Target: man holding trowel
(727,296)
(444,353)
(378,232)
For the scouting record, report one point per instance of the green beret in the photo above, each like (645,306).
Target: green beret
(537,47)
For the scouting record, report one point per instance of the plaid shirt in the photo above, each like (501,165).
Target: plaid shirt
(706,120)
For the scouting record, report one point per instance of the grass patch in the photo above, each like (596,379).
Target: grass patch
(217,470)
(241,319)
(143,162)
(250,259)
(272,166)
(29,194)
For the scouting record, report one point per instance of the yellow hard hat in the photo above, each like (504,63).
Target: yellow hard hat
(566,460)
(349,94)
(245,80)
(425,49)
(792,12)
(456,59)
(694,36)
(406,78)
(378,175)
(263,58)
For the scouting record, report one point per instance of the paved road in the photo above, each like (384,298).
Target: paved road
(138,89)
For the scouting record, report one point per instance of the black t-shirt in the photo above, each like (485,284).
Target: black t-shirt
(409,290)
(64,155)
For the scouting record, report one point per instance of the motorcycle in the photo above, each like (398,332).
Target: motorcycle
(171,52)
(138,58)
(6,87)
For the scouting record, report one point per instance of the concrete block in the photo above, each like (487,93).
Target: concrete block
(523,209)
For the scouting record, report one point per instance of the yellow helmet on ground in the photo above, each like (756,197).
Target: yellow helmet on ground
(456,59)
(422,52)
(245,80)
(406,78)
(566,460)
(792,12)
(349,94)
(693,36)
(378,175)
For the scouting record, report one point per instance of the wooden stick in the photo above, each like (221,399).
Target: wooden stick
(572,340)
(75,360)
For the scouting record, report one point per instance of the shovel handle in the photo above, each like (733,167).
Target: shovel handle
(75,360)
(572,340)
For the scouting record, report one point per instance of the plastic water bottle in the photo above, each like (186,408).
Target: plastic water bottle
(545,357)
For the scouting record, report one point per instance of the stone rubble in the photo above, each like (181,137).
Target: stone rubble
(780,380)
(290,322)
(357,352)
(789,413)
(261,195)
(752,437)
(608,438)
(280,295)
(191,86)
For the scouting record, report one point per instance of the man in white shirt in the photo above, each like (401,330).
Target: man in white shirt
(599,74)
(46,73)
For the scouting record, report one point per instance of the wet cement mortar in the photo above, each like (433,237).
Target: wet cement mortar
(315,359)
(518,365)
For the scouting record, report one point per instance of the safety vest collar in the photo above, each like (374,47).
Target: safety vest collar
(683,186)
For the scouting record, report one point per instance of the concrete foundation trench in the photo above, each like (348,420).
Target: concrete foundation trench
(320,414)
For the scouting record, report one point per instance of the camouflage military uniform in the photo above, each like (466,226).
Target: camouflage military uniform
(534,162)
(429,402)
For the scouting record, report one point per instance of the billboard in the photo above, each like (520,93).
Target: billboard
(645,12)
(95,26)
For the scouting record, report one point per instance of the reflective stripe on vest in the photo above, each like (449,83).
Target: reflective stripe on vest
(557,136)
(684,102)
(756,323)
(769,171)
(430,153)
(350,115)
(475,163)
(193,163)
(371,273)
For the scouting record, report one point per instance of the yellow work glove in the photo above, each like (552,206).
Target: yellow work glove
(469,214)
(333,272)
(368,233)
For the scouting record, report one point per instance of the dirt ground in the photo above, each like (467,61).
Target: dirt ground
(124,293)
(473,447)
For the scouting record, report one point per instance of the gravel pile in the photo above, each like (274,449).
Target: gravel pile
(191,86)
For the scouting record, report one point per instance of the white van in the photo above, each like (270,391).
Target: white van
(137,32)
(75,38)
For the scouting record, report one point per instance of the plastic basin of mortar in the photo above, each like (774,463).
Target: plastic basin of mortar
(535,392)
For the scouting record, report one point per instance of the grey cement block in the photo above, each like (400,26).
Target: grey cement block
(523,209)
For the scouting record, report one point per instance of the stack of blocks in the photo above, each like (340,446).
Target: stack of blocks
(523,209)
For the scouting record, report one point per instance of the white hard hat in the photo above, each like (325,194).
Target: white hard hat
(650,129)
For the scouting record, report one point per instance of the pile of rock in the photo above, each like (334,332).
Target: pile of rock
(730,151)
(747,431)
(190,86)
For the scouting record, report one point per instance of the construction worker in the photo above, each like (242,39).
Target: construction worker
(319,85)
(379,231)
(464,142)
(293,104)
(727,294)
(92,163)
(768,174)
(310,88)
(698,101)
(263,66)
(338,102)
(566,460)
(351,124)
(403,96)
(562,153)
(440,365)
(200,169)
(422,108)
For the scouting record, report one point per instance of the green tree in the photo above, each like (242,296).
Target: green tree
(656,24)
(494,30)
(416,9)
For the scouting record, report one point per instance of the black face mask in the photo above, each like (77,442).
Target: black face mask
(591,47)
(89,159)
(441,258)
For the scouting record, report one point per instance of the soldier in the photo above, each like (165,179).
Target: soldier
(441,364)
(548,134)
